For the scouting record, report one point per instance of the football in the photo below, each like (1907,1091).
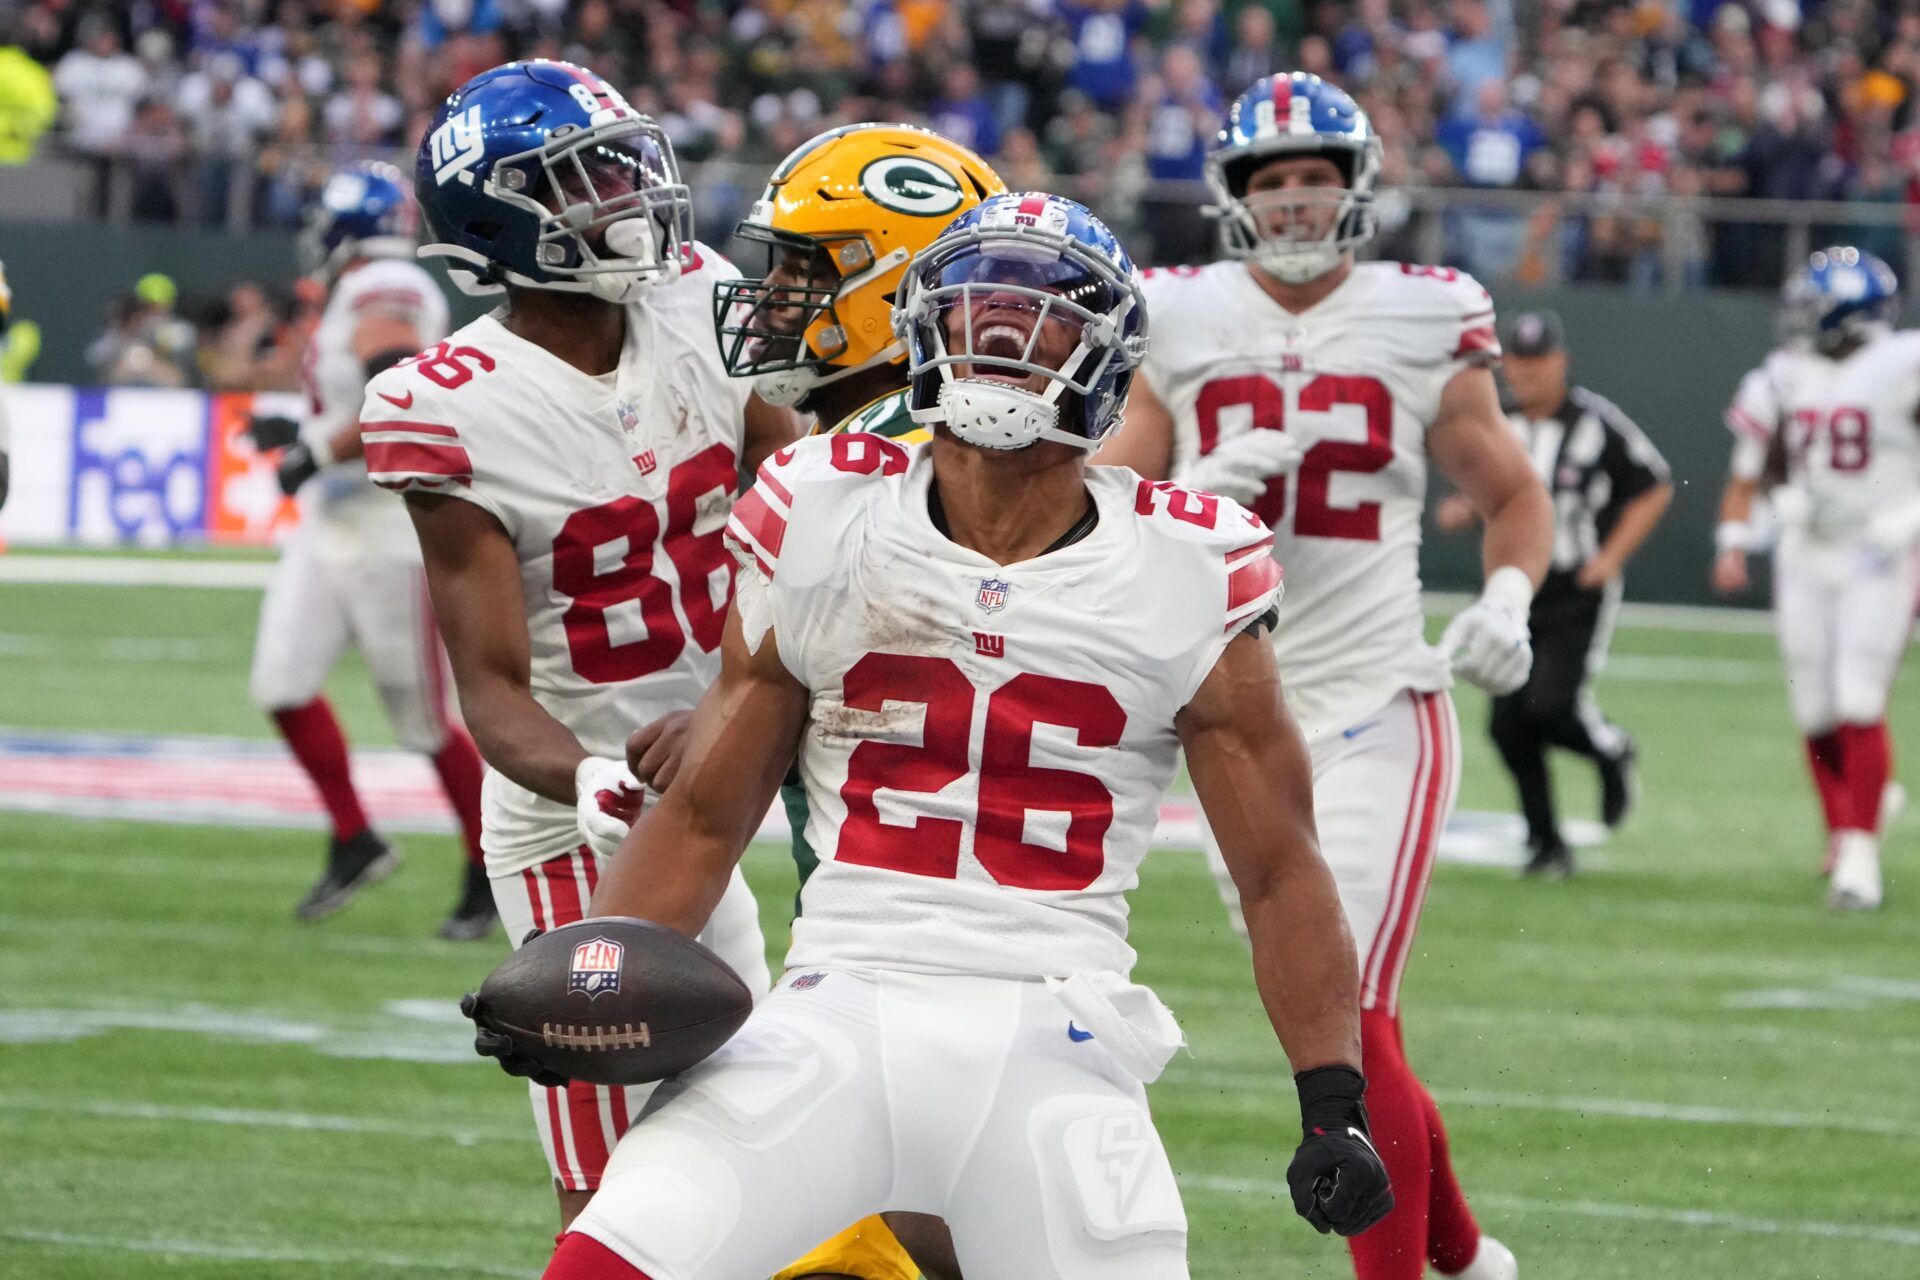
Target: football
(615,1001)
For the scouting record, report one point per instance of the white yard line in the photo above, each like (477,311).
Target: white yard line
(210,651)
(242,937)
(1235,1083)
(255,1118)
(160,571)
(166,1247)
(1213,1183)
(135,571)
(1710,1219)
(262,870)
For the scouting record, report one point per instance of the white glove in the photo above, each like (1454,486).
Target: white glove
(1487,642)
(1892,532)
(1241,467)
(607,801)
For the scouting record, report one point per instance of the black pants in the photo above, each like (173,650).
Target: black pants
(1554,708)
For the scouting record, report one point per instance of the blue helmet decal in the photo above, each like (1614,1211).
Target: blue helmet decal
(1024,288)
(540,174)
(363,210)
(1301,233)
(1842,292)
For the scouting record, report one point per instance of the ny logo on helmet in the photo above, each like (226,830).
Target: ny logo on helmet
(911,186)
(457,146)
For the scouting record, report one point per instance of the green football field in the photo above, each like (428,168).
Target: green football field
(1677,1064)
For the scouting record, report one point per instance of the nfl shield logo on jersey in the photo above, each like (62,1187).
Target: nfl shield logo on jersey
(993,595)
(596,967)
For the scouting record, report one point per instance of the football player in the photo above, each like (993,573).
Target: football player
(988,655)
(1317,389)
(569,461)
(1837,410)
(350,573)
(840,219)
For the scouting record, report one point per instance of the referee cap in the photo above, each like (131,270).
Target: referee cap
(1534,333)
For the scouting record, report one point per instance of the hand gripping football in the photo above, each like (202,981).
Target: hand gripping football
(614,1001)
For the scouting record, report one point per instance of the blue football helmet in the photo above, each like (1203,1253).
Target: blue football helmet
(1298,234)
(1842,293)
(981,305)
(363,211)
(540,174)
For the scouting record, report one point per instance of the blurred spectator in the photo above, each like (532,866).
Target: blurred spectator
(1104,33)
(232,358)
(1603,107)
(145,343)
(28,103)
(1256,50)
(100,84)
(227,112)
(963,112)
(1180,125)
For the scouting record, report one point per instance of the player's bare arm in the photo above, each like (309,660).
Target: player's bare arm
(675,863)
(473,576)
(1475,450)
(769,428)
(1251,771)
(1636,522)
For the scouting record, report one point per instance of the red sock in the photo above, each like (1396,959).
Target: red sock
(1868,755)
(1453,1237)
(1430,1216)
(458,764)
(581,1257)
(314,736)
(1827,758)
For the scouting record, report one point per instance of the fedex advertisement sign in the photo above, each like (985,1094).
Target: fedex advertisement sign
(140,466)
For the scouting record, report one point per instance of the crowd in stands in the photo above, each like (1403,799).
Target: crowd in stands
(1112,100)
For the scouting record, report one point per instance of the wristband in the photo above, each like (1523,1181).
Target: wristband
(1330,1099)
(1732,535)
(1509,585)
(320,449)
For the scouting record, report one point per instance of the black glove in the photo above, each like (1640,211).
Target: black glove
(296,467)
(489,1043)
(272,431)
(1336,1177)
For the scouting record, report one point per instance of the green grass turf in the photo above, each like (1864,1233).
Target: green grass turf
(1764,1052)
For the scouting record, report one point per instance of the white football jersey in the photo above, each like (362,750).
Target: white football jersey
(1357,378)
(987,746)
(1852,428)
(615,492)
(346,512)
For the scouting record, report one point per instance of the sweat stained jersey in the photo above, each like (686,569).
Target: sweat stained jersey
(986,746)
(614,491)
(1358,379)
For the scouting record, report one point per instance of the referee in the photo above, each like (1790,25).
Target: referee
(1610,487)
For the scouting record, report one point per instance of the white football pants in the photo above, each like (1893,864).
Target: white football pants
(1382,789)
(1844,614)
(849,1092)
(317,604)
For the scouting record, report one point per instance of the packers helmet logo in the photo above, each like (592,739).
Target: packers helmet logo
(907,184)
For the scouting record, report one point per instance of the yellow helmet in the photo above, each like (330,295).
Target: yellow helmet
(840,219)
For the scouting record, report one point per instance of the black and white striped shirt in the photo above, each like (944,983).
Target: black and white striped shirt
(1594,461)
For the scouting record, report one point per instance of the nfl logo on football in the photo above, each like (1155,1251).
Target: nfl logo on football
(993,595)
(596,967)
